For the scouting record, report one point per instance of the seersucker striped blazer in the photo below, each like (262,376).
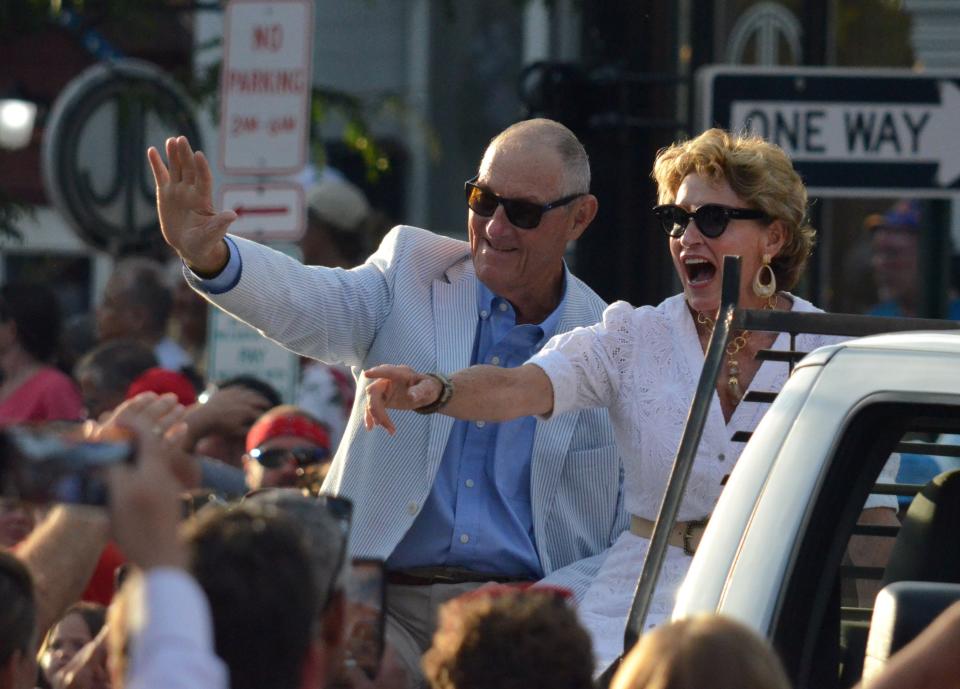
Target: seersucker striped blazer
(414,302)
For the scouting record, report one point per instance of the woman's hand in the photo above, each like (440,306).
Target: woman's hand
(396,387)
(185,206)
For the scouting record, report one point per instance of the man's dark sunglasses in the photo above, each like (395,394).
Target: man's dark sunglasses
(523,214)
(276,457)
(711,219)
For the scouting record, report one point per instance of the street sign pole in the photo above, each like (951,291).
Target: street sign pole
(265,91)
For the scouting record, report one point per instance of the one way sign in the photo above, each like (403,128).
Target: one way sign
(850,132)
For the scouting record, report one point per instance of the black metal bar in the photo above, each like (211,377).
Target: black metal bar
(848,324)
(793,348)
(937,449)
(683,462)
(855,614)
(872,530)
(896,489)
(854,572)
(790,356)
(757,396)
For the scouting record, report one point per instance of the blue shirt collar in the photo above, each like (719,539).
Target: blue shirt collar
(488,302)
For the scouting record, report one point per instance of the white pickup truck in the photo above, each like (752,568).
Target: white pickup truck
(773,554)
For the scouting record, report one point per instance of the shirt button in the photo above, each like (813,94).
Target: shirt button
(495,361)
(481,424)
(502,306)
(469,483)
(412,508)
(484,313)
(721,457)
(464,538)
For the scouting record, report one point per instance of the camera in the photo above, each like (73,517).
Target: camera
(57,463)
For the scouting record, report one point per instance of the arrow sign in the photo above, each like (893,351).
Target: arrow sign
(265,212)
(873,132)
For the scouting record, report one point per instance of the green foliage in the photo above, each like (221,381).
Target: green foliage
(873,33)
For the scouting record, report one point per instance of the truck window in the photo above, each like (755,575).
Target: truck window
(838,565)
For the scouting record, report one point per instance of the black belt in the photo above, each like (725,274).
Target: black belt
(427,576)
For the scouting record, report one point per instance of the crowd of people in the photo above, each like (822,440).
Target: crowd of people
(510,502)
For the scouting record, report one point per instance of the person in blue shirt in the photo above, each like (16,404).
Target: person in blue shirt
(448,505)
(895,252)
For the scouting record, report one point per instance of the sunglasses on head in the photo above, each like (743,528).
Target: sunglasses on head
(276,457)
(523,214)
(711,219)
(308,511)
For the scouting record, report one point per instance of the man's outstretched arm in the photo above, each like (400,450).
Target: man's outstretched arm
(489,393)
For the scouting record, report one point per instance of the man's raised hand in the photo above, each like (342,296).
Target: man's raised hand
(396,387)
(188,220)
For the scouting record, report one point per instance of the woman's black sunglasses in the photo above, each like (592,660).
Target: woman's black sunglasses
(711,218)
(278,456)
(523,214)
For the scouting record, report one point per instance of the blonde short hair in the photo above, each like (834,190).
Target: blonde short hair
(760,173)
(701,651)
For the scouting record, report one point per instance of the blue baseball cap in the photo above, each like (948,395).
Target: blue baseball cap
(903,215)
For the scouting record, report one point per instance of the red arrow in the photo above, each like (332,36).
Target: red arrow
(261,210)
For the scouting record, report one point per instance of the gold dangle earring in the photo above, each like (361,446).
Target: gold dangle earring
(765,291)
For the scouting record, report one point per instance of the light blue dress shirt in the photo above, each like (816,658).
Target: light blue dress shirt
(478,514)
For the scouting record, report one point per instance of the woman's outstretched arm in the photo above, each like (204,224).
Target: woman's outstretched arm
(487,393)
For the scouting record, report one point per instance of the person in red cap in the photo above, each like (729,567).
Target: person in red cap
(286,447)
(160,381)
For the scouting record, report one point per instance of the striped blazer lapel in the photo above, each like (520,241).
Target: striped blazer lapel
(552,440)
(454,319)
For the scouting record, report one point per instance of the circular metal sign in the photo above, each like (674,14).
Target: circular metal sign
(95,168)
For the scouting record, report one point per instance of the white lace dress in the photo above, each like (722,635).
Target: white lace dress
(643,364)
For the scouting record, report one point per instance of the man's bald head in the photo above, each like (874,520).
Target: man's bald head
(541,132)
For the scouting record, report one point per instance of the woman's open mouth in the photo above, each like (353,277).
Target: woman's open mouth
(699,271)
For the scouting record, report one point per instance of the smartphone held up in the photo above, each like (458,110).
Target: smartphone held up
(57,463)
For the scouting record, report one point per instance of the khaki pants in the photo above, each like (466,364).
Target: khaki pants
(412,620)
